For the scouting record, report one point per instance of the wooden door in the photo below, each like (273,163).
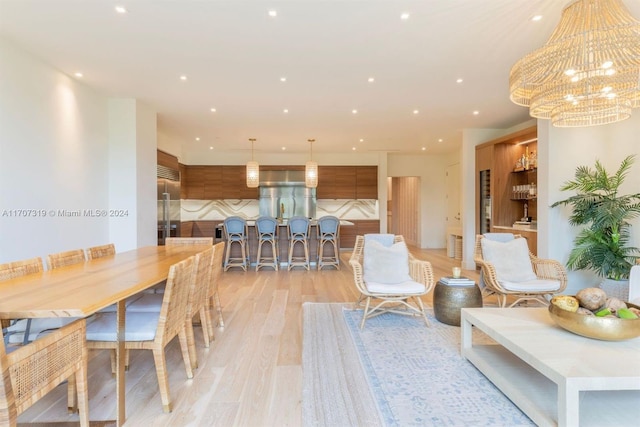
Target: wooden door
(406,208)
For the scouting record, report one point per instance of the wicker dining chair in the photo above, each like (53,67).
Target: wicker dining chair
(11,270)
(63,259)
(214,296)
(510,270)
(400,297)
(152,330)
(33,370)
(23,331)
(198,302)
(101,251)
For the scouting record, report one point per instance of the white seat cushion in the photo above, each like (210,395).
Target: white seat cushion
(138,327)
(409,288)
(127,303)
(536,285)
(38,327)
(146,303)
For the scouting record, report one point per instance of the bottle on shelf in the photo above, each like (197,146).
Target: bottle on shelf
(533,190)
(533,160)
(526,160)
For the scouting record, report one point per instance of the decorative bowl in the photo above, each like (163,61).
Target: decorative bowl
(600,328)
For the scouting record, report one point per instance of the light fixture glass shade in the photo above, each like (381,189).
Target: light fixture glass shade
(253,174)
(253,169)
(311,174)
(588,72)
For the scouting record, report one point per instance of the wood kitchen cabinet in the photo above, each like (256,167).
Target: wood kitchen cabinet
(347,182)
(229,182)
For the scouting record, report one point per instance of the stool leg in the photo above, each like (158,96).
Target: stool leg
(306,255)
(258,255)
(227,254)
(274,251)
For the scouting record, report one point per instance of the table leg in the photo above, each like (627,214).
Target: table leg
(120,362)
(466,338)
(568,405)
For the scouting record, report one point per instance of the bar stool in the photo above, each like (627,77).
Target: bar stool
(328,233)
(298,230)
(235,231)
(267,231)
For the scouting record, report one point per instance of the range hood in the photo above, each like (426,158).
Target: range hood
(281,178)
(283,195)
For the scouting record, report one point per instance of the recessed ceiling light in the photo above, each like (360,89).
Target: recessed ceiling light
(424,148)
(536,18)
(273,13)
(361,140)
(353,148)
(284,148)
(371,80)
(354,111)
(440,139)
(283,79)
(415,111)
(213,110)
(285,111)
(78,74)
(210,148)
(459,81)
(197,138)
(183,78)
(121,9)
(405,16)
(476,112)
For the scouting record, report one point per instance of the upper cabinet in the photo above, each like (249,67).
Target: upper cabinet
(347,182)
(228,182)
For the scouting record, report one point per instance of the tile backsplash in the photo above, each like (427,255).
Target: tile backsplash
(202,210)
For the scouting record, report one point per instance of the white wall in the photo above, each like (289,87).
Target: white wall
(55,157)
(431,170)
(53,150)
(564,149)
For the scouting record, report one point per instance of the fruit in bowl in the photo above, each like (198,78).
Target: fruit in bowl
(592,314)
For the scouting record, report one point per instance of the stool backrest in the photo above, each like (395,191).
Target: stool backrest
(234,226)
(298,227)
(328,225)
(266,225)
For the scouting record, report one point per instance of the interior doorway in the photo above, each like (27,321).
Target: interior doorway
(403,208)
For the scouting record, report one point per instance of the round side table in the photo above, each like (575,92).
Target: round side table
(448,300)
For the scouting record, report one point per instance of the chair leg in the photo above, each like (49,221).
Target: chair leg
(424,314)
(204,321)
(163,380)
(83,393)
(219,310)
(191,343)
(184,349)
(259,254)
(227,254)
(72,395)
(366,311)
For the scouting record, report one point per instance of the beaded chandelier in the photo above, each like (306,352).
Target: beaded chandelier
(588,72)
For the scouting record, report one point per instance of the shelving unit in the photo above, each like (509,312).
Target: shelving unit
(502,192)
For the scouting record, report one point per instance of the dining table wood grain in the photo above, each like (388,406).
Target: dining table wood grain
(80,290)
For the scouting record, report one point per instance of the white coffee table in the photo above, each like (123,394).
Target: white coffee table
(552,375)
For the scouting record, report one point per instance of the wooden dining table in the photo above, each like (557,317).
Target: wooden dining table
(81,290)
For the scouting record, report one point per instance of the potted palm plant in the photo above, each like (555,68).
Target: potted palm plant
(602,245)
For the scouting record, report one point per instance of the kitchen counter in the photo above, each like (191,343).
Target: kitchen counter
(283,241)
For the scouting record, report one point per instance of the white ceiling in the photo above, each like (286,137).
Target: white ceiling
(234,54)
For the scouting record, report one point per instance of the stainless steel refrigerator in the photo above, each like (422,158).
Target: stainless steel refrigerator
(168,203)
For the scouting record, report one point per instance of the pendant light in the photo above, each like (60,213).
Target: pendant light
(588,72)
(253,169)
(311,168)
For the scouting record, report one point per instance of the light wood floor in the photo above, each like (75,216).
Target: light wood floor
(250,376)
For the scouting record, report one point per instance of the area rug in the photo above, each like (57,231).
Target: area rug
(415,375)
